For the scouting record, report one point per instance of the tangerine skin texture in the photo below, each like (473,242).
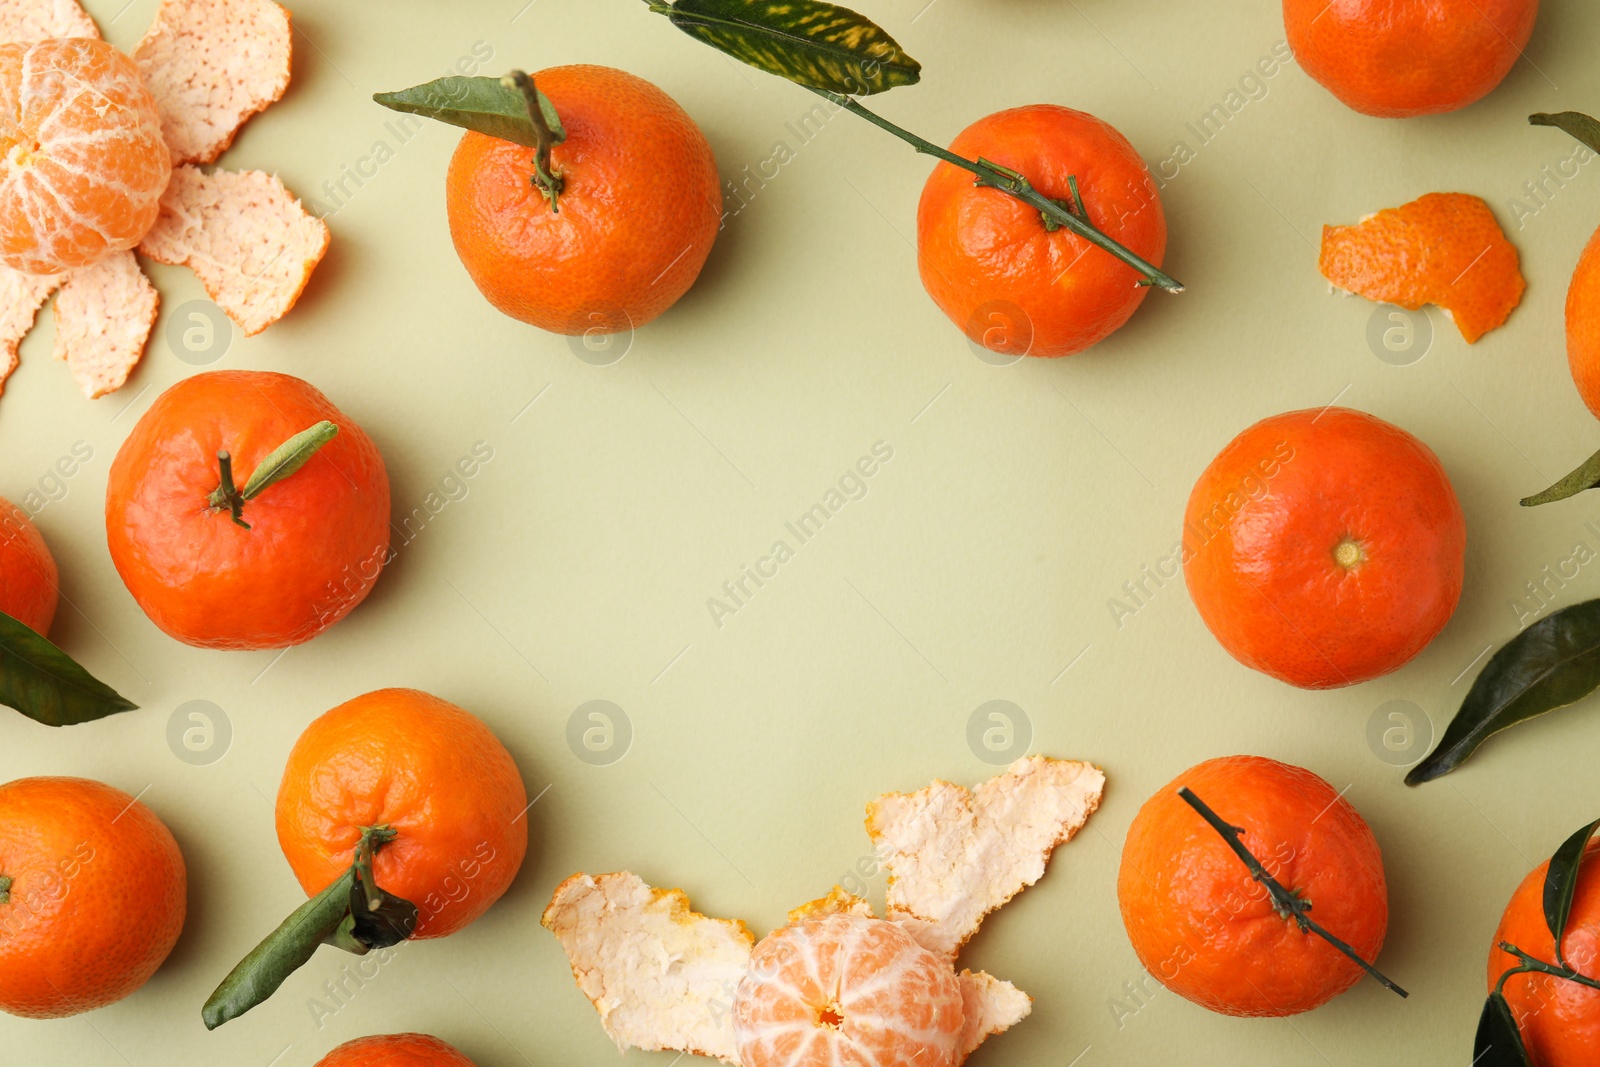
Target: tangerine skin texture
(847,991)
(29,583)
(1266,518)
(1559,1020)
(82,160)
(97,899)
(977,246)
(1208,931)
(638,212)
(317,540)
(1399,58)
(395,1050)
(1583,325)
(433,772)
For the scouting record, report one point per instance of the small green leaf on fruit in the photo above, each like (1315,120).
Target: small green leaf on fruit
(1552,663)
(820,46)
(289,457)
(1561,883)
(1576,123)
(46,684)
(390,923)
(1587,476)
(481,104)
(1498,1043)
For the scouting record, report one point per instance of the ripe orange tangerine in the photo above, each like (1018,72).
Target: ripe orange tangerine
(29,583)
(395,1050)
(82,160)
(1583,324)
(847,990)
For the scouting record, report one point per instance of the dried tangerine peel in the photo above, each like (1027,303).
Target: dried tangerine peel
(211,64)
(661,975)
(1442,248)
(104,314)
(954,855)
(39,20)
(251,242)
(21,297)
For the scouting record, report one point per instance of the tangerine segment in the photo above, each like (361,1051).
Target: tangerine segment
(1442,248)
(847,991)
(82,160)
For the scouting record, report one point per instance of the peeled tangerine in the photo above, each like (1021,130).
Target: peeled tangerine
(836,986)
(1442,248)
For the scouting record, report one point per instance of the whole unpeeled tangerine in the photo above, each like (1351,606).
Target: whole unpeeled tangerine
(395,1050)
(29,587)
(1324,547)
(1208,931)
(639,207)
(1583,324)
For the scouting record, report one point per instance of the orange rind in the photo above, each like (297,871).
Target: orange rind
(103,315)
(1442,248)
(835,985)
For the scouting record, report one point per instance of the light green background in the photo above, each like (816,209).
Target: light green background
(978,566)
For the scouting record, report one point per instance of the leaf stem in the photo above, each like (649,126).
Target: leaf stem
(372,839)
(226,494)
(5,889)
(1008,181)
(1532,964)
(281,462)
(548,181)
(1286,903)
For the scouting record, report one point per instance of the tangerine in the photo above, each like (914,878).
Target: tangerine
(315,543)
(1583,324)
(82,160)
(395,1050)
(93,894)
(431,772)
(847,989)
(639,206)
(1324,547)
(29,585)
(1004,273)
(1208,931)
(1398,58)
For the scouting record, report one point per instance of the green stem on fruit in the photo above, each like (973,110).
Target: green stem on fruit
(281,462)
(549,182)
(226,494)
(993,176)
(372,839)
(5,889)
(1288,904)
(1534,965)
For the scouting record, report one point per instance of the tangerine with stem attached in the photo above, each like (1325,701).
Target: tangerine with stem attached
(82,160)
(29,582)
(395,1050)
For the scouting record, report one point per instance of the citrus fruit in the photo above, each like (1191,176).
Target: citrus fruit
(1397,58)
(1583,324)
(1208,931)
(1442,248)
(639,207)
(846,989)
(82,161)
(92,896)
(429,771)
(316,540)
(1559,1019)
(1010,279)
(28,578)
(1324,547)
(395,1050)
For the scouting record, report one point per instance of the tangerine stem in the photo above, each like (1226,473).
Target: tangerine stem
(1284,902)
(548,181)
(1008,181)
(1533,963)
(5,889)
(226,494)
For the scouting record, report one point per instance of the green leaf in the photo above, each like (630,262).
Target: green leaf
(1576,123)
(814,44)
(1553,663)
(480,104)
(289,457)
(1498,1044)
(1587,476)
(390,923)
(46,684)
(1561,882)
(284,951)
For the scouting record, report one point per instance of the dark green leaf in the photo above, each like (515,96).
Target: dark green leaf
(46,684)
(1561,882)
(814,44)
(1586,476)
(481,104)
(1553,663)
(389,924)
(288,457)
(284,951)
(1498,1044)
(1579,125)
